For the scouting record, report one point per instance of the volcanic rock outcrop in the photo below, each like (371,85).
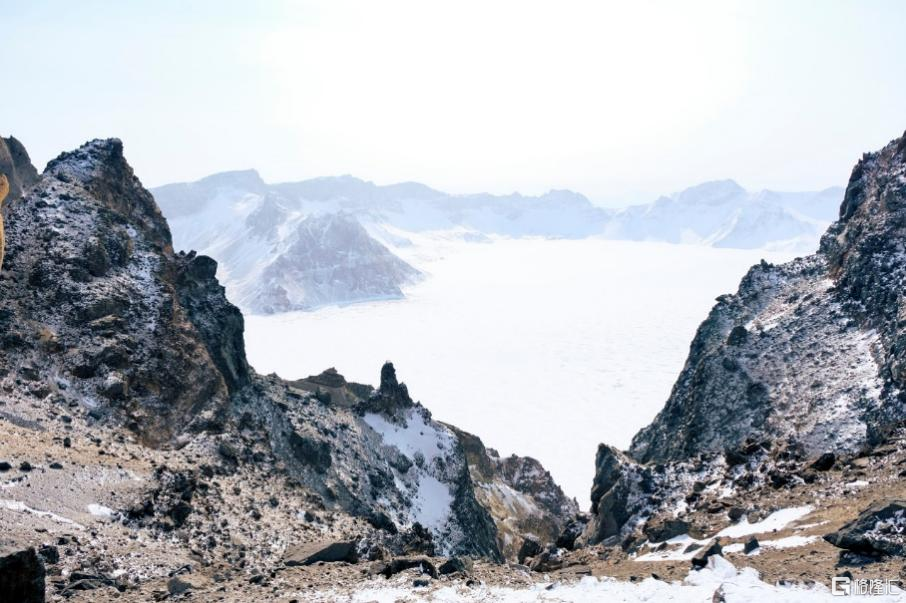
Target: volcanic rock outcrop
(805,359)
(108,335)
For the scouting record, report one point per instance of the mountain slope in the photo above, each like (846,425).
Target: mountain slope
(276,258)
(271,262)
(723,214)
(331,260)
(114,346)
(803,363)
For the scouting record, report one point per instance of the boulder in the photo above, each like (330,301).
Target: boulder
(661,530)
(879,530)
(750,545)
(49,553)
(401,564)
(417,540)
(610,494)
(177,586)
(736,513)
(701,558)
(571,532)
(21,576)
(738,335)
(531,547)
(549,560)
(325,550)
(454,565)
(311,451)
(824,462)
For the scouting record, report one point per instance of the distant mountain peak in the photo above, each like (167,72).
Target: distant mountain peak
(713,191)
(714,213)
(249,179)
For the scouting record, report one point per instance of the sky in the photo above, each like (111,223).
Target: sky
(621,101)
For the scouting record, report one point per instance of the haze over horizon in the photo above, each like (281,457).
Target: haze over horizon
(619,103)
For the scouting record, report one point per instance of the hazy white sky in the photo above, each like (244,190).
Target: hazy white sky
(617,100)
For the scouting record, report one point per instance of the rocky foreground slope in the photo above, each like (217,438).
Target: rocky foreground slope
(139,446)
(143,459)
(792,394)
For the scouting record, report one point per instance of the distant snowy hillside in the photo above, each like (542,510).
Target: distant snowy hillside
(273,256)
(305,244)
(415,207)
(723,214)
(331,259)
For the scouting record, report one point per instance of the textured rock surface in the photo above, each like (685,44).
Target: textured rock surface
(802,361)
(808,352)
(879,530)
(21,576)
(327,551)
(106,329)
(519,490)
(94,300)
(331,260)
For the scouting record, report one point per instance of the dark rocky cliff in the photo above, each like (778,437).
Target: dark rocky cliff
(97,305)
(806,358)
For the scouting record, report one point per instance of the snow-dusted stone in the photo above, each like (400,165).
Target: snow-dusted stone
(879,530)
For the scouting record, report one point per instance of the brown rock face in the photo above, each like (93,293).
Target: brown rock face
(15,163)
(520,495)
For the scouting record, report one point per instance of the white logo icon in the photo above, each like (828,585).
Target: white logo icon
(840,585)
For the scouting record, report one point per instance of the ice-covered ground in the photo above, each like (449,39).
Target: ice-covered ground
(541,347)
(679,545)
(736,586)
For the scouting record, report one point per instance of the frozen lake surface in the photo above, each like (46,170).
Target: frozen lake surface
(541,347)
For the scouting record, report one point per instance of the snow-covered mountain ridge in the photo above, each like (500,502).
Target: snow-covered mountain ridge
(723,214)
(275,257)
(324,241)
